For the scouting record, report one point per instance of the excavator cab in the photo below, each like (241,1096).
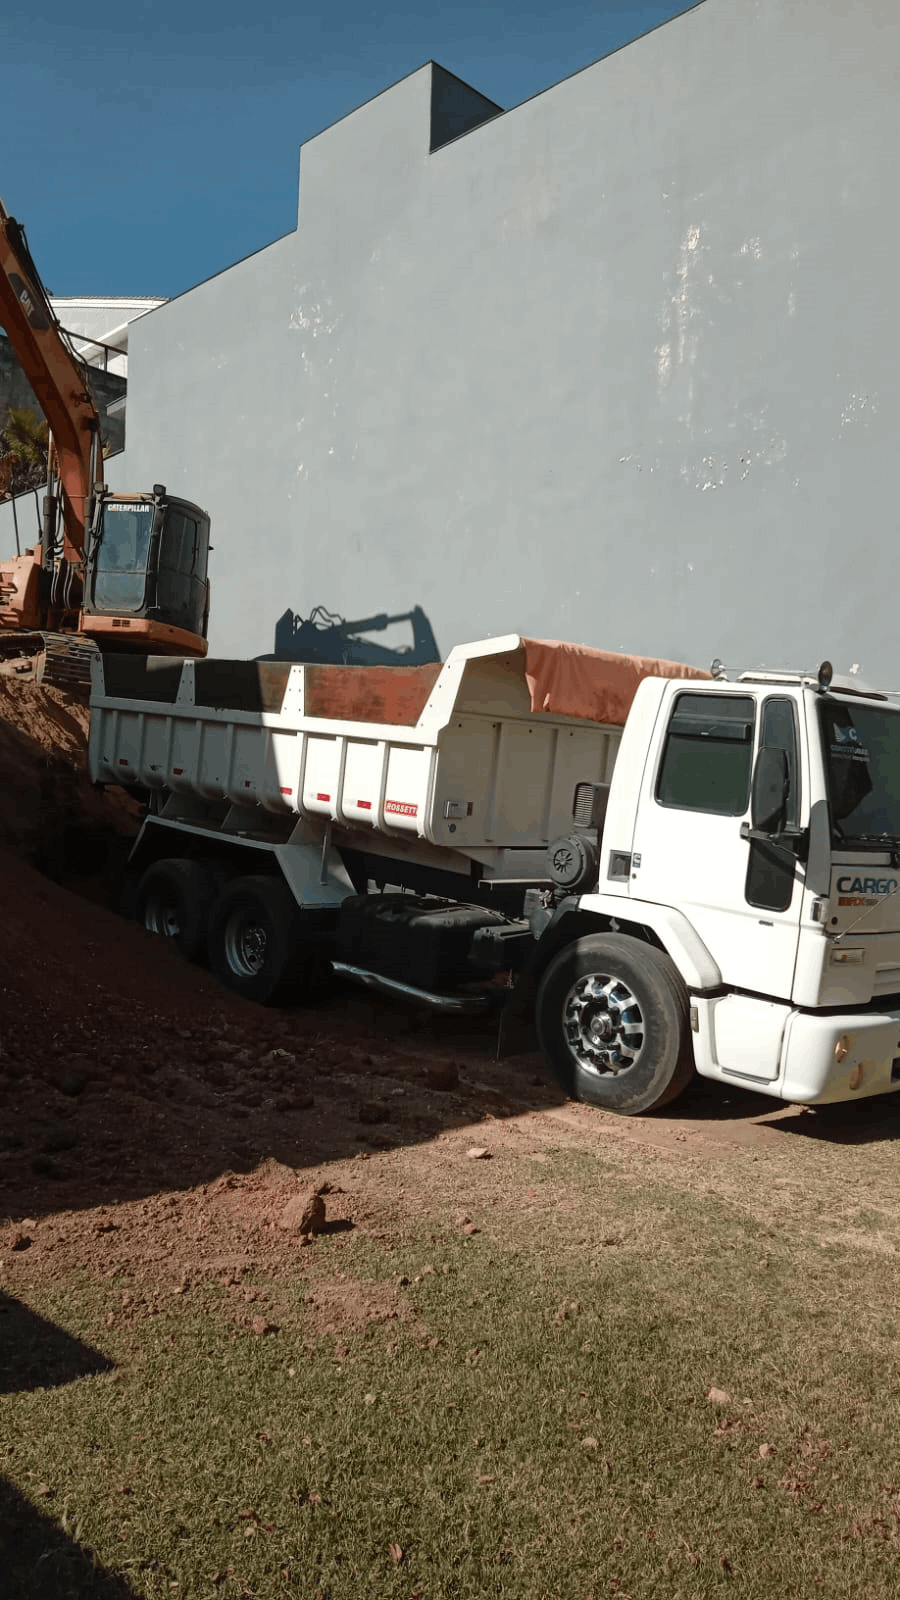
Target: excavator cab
(145,571)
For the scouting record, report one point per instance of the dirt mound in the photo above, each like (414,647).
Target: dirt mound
(124,1071)
(50,813)
(127,1075)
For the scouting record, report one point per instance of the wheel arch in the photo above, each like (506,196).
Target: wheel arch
(157,841)
(669,930)
(571,920)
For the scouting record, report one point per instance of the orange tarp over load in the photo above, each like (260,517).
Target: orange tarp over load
(572,680)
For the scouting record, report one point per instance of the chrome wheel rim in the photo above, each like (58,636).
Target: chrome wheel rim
(603,1024)
(246,939)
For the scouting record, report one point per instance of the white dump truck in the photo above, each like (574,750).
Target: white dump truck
(679,871)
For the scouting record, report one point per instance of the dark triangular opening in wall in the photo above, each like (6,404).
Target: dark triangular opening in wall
(455,108)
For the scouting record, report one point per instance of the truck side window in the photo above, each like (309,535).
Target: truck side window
(708,754)
(779,732)
(771,868)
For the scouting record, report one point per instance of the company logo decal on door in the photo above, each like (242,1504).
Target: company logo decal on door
(850,885)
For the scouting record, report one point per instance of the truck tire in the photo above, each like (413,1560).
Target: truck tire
(612,1019)
(255,941)
(173,899)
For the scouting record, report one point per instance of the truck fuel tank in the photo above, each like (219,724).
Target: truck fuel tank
(417,939)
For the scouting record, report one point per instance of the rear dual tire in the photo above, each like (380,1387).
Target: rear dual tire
(256,942)
(173,900)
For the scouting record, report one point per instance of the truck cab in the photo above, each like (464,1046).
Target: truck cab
(754,825)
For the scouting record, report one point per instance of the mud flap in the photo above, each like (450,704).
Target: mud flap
(515,1031)
(516,1035)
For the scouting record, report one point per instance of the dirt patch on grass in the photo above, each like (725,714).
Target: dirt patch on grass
(347,1305)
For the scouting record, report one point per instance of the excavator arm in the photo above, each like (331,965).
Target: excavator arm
(327,638)
(129,572)
(58,380)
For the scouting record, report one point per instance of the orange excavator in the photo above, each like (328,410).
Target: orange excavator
(112,571)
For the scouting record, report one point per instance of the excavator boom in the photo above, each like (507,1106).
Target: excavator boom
(112,571)
(55,376)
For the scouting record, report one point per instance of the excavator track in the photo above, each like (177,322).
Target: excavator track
(60,660)
(67,662)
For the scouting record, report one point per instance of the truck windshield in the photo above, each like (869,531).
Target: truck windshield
(120,563)
(861,749)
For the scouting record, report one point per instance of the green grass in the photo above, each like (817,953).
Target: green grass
(541,1428)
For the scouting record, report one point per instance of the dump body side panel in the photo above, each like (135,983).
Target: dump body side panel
(479,769)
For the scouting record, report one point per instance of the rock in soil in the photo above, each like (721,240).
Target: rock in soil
(260,1326)
(371,1111)
(442,1075)
(304,1214)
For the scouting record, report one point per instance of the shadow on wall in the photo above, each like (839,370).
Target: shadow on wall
(325,637)
(37,1558)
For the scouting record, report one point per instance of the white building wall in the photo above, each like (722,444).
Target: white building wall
(616,366)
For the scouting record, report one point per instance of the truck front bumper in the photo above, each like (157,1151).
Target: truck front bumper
(834,1058)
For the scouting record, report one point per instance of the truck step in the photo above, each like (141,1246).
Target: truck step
(468,1005)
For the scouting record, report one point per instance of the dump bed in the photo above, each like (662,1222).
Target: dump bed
(487,751)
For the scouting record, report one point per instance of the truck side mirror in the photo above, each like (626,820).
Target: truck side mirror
(769,792)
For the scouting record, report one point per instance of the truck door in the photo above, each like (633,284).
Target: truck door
(743,896)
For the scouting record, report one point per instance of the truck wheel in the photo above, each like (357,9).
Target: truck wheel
(612,1019)
(173,899)
(255,941)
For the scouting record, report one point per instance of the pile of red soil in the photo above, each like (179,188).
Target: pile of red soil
(50,813)
(125,1072)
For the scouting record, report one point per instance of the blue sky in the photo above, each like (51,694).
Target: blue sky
(149,145)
